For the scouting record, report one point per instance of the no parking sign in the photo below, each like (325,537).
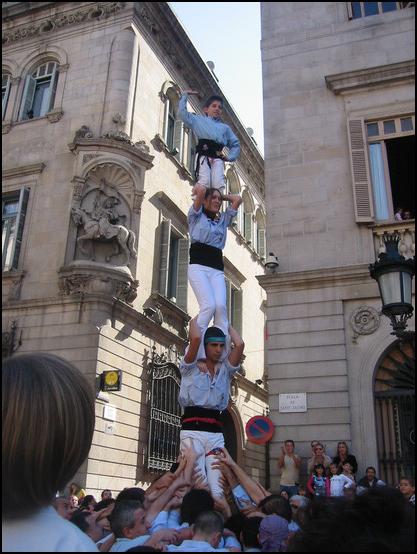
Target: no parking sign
(259,429)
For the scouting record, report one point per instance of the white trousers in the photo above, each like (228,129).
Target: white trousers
(202,443)
(209,287)
(211,177)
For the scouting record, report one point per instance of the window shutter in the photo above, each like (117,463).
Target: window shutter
(229,312)
(248,226)
(166,115)
(261,242)
(50,96)
(237,311)
(165,239)
(5,98)
(20,223)
(178,137)
(362,190)
(182,283)
(27,98)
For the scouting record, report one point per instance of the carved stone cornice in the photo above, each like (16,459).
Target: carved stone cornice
(55,115)
(5,128)
(156,20)
(23,171)
(139,153)
(46,26)
(170,207)
(371,77)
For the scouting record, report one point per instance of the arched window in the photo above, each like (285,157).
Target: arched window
(394,392)
(173,126)
(39,91)
(260,234)
(5,90)
(233,187)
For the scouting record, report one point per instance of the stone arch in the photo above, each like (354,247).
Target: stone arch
(168,85)
(51,53)
(10,66)
(233,181)
(248,201)
(123,165)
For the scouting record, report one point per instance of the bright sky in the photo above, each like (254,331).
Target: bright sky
(229,34)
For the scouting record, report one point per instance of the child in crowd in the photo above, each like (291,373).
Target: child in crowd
(407,488)
(318,484)
(213,135)
(302,490)
(337,482)
(348,471)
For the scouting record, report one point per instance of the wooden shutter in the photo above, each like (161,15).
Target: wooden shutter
(165,239)
(248,226)
(49,101)
(178,138)
(20,223)
(182,282)
(27,98)
(237,311)
(361,180)
(5,97)
(261,242)
(166,116)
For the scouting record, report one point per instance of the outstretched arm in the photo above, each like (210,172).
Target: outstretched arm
(235,356)
(235,199)
(195,339)
(199,191)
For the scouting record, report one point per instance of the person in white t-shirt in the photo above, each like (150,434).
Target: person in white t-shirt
(289,463)
(338,482)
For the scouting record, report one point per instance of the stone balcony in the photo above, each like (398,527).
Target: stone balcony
(406,231)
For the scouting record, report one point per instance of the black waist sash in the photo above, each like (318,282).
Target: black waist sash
(209,149)
(196,418)
(207,255)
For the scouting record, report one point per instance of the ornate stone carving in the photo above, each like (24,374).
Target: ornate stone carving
(137,200)
(83,132)
(88,157)
(158,143)
(126,291)
(142,146)
(8,340)
(15,288)
(5,128)
(78,188)
(121,136)
(47,26)
(234,389)
(105,223)
(74,284)
(54,116)
(364,320)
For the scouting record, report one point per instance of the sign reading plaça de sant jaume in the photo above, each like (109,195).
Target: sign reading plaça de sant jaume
(293,402)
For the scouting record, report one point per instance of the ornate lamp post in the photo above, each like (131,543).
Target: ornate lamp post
(394,275)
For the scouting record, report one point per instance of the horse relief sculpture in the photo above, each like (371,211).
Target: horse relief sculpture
(103,224)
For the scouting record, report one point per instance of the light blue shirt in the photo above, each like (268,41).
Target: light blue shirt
(205,230)
(210,128)
(195,546)
(241,497)
(199,389)
(122,544)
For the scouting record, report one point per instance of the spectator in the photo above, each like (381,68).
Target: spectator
(73,502)
(88,503)
(277,505)
(349,491)
(48,425)
(273,534)
(347,471)
(88,524)
(302,490)
(407,488)
(62,506)
(132,493)
(370,479)
(342,456)
(319,457)
(337,482)
(398,214)
(129,526)
(289,464)
(105,494)
(407,215)
(77,491)
(298,505)
(249,536)
(208,531)
(377,521)
(319,484)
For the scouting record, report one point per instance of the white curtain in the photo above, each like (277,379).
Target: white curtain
(378,181)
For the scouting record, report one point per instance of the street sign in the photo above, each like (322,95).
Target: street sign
(259,429)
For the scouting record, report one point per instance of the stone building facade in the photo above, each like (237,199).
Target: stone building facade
(339,130)
(92,146)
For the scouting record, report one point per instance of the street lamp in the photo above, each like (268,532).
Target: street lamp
(394,275)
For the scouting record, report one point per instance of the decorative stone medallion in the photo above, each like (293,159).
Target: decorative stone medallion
(364,320)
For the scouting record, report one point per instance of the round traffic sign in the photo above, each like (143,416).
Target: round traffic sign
(259,429)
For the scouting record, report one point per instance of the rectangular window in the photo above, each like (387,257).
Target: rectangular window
(13,219)
(39,91)
(391,154)
(173,267)
(234,305)
(5,89)
(170,126)
(364,9)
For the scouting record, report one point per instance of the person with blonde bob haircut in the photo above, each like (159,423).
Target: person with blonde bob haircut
(48,425)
